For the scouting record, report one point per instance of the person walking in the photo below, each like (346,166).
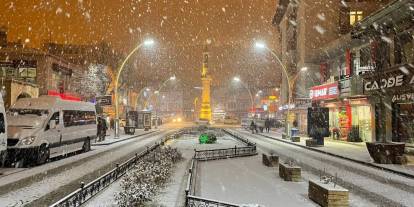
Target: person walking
(253,127)
(101,129)
(267,125)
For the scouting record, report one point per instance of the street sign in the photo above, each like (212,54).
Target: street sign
(104,100)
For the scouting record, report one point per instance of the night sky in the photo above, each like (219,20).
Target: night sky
(180,27)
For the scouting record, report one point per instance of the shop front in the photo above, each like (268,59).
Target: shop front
(350,119)
(392,94)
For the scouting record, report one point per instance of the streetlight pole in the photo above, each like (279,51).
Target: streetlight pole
(172,78)
(139,95)
(262,45)
(145,43)
(237,79)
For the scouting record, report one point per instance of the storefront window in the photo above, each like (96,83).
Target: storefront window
(361,117)
(403,123)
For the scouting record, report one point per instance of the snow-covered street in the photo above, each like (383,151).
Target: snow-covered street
(42,185)
(379,187)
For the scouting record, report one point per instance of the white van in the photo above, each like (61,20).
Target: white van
(3,133)
(46,127)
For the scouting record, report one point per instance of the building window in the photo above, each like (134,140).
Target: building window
(27,73)
(354,17)
(404,48)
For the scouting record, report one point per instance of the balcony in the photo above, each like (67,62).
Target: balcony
(351,86)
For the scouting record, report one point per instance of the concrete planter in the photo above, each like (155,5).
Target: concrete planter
(295,139)
(386,153)
(270,160)
(289,172)
(327,194)
(311,143)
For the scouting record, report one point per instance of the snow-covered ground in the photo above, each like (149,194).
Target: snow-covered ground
(380,187)
(173,193)
(63,176)
(355,151)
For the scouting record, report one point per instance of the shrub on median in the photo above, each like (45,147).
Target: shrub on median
(142,183)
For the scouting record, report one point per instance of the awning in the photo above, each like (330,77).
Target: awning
(395,16)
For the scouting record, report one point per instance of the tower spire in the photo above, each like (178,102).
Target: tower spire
(205,111)
(204,71)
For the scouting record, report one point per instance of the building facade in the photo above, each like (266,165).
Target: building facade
(316,36)
(29,72)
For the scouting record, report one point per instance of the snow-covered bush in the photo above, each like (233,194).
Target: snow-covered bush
(142,183)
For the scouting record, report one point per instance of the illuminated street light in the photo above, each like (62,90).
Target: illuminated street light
(145,89)
(172,78)
(238,80)
(304,69)
(261,45)
(147,42)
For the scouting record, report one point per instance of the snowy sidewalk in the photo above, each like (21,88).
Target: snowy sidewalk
(111,138)
(353,151)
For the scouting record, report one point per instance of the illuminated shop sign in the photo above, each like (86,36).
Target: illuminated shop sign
(408,97)
(384,83)
(326,91)
(398,79)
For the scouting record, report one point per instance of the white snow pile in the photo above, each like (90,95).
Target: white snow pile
(149,175)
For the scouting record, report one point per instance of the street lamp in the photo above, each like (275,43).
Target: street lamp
(238,80)
(148,42)
(147,89)
(172,78)
(262,45)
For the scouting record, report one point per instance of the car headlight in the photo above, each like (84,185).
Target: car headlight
(28,140)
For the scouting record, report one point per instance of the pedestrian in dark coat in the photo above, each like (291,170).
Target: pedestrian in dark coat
(267,125)
(253,127)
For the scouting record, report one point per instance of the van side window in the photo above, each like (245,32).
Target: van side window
(78,118)
(55,117)
(2,125)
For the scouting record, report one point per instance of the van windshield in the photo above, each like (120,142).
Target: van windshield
(37,112)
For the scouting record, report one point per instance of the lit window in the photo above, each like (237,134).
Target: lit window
(354,17)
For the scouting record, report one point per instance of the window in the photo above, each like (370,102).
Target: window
(354,17)
(404,48)
(78,118)
(27,72)
(55,117)
(38,112)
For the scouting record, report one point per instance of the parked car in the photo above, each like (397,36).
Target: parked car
(46,127)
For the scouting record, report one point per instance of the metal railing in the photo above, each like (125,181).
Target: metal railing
(215,154)
(194,201)
(86,192)
(240,138)
(204,155)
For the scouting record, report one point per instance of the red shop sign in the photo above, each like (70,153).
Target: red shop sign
(326,91)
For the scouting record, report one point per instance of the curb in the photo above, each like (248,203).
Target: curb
(408,175)
(121,140)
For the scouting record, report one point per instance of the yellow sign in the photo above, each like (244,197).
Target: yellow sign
(272,98)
